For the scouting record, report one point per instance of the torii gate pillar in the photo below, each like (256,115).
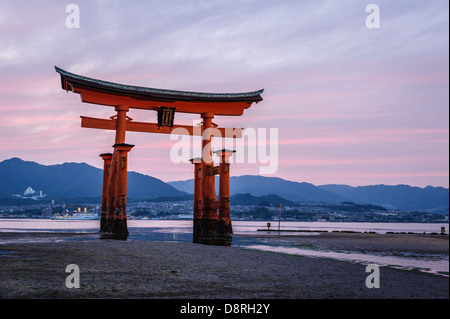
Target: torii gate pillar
(209,199)
(114,196)
(197,231)
(106,169)
(224,228)
(120,229)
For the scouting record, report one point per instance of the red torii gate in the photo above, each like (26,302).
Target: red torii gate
(209,227)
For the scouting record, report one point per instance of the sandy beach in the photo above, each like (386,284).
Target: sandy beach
(133,269)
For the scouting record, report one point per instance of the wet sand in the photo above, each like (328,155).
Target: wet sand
(366,242)
(132,269)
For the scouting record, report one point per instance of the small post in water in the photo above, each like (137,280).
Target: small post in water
(279,219)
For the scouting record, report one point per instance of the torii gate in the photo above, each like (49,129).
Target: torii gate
(209,227)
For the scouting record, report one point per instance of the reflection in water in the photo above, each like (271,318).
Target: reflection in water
(169,230)
(160,234)
(176,234)
(224,240)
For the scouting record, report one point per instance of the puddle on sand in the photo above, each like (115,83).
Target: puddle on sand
(430,265)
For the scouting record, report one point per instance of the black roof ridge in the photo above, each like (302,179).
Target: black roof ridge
(68,76)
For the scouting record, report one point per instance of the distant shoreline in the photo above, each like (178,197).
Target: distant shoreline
(245,219)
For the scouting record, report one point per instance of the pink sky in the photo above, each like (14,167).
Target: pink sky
(352,105)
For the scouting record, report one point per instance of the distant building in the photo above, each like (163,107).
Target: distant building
(30,193)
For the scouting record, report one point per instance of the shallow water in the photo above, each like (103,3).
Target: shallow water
(239,227)
(436,264)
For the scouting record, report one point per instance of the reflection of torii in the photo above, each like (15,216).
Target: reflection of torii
(165,102)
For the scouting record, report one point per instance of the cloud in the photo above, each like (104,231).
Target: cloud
(332,86)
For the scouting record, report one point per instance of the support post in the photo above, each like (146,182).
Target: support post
(106,169)
(115,225)
(224,228)
(121,123)
(209,207)
(120,229)
(197,220)
(110,198)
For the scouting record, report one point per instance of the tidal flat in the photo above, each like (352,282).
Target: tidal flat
(168,270)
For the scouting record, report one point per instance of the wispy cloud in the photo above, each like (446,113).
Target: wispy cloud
(332,86)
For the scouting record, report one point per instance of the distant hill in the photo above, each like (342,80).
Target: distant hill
(72,180)
(261,185)
(265,200)
(401,197)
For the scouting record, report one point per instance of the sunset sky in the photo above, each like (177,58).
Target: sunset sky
(352,105)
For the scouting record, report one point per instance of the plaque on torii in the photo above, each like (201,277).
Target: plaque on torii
(212,221)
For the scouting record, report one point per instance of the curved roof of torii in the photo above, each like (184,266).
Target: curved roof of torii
(114,94)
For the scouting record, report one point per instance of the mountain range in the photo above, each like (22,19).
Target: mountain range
(72,180)
(398,197)
(261,185)
(80,180)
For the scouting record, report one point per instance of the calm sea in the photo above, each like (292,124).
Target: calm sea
(181,231)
